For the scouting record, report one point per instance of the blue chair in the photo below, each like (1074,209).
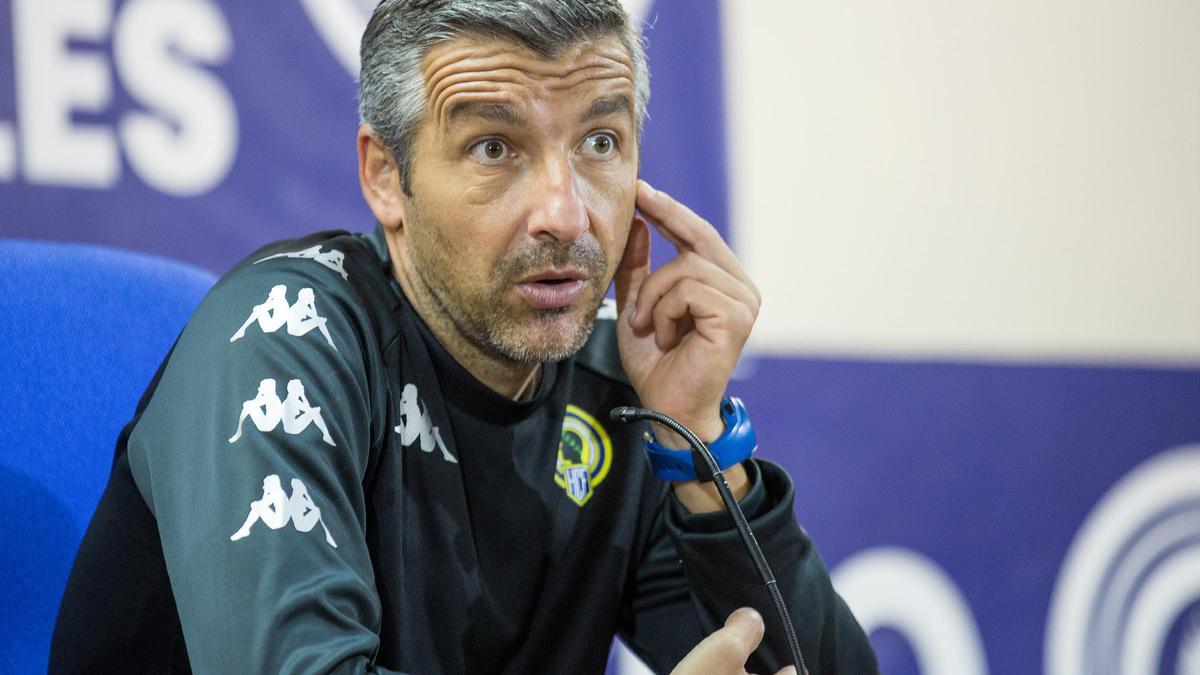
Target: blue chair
(82,331)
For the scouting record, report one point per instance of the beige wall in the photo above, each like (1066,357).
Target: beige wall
(996,180)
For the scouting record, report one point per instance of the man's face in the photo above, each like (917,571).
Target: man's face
(523,183)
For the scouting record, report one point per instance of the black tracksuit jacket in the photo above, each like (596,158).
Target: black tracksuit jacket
(312,484)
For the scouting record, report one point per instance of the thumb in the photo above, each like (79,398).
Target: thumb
(634,266)
(747,628)
(726,650)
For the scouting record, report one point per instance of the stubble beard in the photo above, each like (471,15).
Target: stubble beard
(485,318)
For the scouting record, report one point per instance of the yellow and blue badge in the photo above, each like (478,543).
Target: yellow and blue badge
(584,455)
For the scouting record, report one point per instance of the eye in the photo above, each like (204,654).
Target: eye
(600,145)
(490,150)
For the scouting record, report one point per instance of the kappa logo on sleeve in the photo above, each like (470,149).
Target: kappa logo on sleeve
(276,509)
(266,411)
(416,424)
(275,313)
(332,258)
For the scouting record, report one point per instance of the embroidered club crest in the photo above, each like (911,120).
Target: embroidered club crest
(584,455)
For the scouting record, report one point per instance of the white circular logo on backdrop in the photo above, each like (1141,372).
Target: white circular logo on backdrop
(1131,573)
(903,590)
(341,23)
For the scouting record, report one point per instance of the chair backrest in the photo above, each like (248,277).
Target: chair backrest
(82,331)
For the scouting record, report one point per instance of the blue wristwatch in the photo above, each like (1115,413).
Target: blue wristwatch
(735,444)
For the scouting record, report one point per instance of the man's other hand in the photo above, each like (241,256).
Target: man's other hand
(726,650)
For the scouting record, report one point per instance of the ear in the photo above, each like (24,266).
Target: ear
(379,178)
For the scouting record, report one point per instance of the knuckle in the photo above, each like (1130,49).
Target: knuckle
(663,312)
(690,285)
(654,287)
(669,202)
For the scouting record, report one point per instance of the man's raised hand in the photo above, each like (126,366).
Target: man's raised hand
(681,328)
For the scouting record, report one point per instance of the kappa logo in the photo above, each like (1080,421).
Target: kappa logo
(332,258)
(416,424)
(276,509)
(584,455)
(294,412)
(275,312)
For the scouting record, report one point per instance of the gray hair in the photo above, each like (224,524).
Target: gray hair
(391,86)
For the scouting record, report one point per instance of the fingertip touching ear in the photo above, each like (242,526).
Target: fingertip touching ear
(379,178)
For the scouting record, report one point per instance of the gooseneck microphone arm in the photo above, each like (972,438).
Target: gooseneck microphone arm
(627,414)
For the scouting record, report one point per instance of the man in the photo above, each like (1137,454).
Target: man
(479,512)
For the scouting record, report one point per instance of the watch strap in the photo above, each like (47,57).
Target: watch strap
(736,443)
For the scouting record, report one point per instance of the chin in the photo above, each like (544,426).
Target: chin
(552,335)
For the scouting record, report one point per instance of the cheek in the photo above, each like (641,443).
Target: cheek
(610,201)
(474,240)
(466,220)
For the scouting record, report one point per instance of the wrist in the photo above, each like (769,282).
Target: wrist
(699,497)
(733,444)
(708,431)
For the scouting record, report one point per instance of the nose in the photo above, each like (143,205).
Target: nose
(558,212)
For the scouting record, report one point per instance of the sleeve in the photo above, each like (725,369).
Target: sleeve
(696,571)
(251,454)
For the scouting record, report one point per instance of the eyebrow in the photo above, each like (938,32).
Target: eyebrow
(603,107)
(493,112)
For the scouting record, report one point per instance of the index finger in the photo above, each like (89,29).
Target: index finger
(685,230)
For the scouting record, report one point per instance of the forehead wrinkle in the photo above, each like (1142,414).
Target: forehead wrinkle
(485,55)
(493,88)
(458,78)
(589,74)
(468,79)
(471,91)
(500,62)
(466,51)
(518,78)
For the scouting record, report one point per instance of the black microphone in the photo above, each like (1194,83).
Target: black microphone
(707,469)
(626,414)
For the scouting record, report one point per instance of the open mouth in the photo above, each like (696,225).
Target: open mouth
(554,277)
(552,290)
